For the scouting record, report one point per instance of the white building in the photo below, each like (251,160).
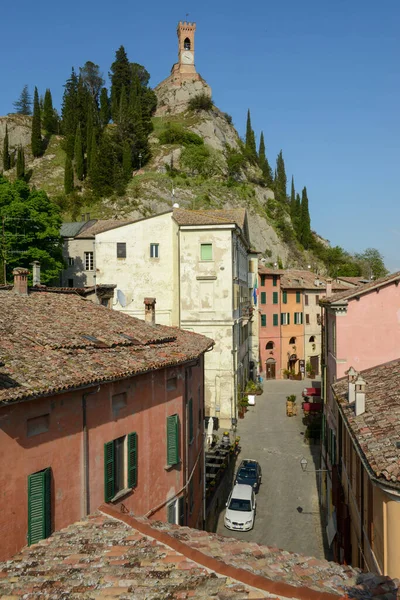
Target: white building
(196,265)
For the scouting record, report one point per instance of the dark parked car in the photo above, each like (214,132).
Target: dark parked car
(249,473)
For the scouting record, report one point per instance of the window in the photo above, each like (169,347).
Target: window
(120,465)
(298,297)
(284,297)
(70,283)
(270,346)
(105,302)
(154,251)
(275,319)
(312,339)
(176,511)
(190,418)
(307,319)
(274,280)
(172,440)
(71,261)
(88,261)
(206,251)
(262,280)
(263,298)
(275,297)
(38,425)
(306,299)
(119,401)
(298,318)
(172,383)
(263,320)
(292,340)
(39,506)
(285,318)
(317,299)
(121,250)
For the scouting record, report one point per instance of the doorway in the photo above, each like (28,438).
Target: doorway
(270,368)
(314,360)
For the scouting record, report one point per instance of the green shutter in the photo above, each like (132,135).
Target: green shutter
(262,280)
(275,279)
(39,506)
(282,317)
(263,298)
(173,440)
(263,320)
(190,410)
(275,297)
(171,512)
(288,319)
(132,460)
(284,297)
(206,251)
(275,320)
(298,297)
(109,468)
(181,509)
(301,318)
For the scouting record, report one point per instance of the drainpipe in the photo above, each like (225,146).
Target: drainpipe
(86,491)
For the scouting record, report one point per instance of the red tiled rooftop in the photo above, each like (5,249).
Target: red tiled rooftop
(377,431)
(360,290)
(110,554)
(45,348)
(210,217)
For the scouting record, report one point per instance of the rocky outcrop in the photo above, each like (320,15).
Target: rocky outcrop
(173,94)
(19,131)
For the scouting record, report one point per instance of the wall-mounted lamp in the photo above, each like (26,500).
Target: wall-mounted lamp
(304,463)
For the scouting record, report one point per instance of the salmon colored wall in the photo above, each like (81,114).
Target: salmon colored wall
(292,330)
(270,333)
(61,448)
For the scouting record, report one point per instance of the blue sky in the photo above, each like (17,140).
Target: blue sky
(321,79)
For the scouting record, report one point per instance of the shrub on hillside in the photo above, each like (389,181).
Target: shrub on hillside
(201,160)
(200,102)
(176,134)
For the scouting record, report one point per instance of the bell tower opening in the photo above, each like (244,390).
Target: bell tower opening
(186,44)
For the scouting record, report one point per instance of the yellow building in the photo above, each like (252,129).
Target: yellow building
(366,477)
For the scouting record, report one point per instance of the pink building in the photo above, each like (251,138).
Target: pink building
(269,308)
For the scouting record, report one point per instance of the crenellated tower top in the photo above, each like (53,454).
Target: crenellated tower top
(185,32)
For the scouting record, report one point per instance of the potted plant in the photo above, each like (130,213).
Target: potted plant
(309,370)
(286,373)
(290,405)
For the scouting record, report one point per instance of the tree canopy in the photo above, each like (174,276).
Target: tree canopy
(23,106)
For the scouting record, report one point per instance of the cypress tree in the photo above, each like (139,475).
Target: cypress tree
(78,154)
(20,163)
(6,152)
(127,160)
(69,113)
(263,162)
(296,218)
(36,137)
(305,224)
(250,143)
(23,106)
(68,176)
(292,200)
(92,158)
(104,108)
(120,76)
(49,118)
(280,179)
(89,134)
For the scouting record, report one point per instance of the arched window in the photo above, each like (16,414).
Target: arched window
(186,44)
(292,340)
(312,338)
(270,346)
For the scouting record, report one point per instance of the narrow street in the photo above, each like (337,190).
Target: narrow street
(287,504)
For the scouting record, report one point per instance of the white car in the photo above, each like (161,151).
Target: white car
(240,508)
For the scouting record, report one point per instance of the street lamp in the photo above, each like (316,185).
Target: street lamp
(304,463)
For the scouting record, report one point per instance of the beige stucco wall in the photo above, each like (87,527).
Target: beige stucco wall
(139,276)
(313,329)
(76,248)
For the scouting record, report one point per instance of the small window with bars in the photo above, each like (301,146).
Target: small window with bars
(154,251)
(121,249)
(88,258)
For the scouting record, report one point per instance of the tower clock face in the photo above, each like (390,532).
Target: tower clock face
(187,57)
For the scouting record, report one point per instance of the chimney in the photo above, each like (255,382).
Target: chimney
(351,395)
(20,281)
(82,216)
(328,287)
(359,408)
(35,273)
(150,311)
(87,216)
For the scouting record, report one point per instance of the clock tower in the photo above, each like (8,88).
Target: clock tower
(185,33)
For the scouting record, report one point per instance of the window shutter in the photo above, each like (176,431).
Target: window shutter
(282,317)
(190,410)
(288,319)
(263,320)
(171,512)
(39,506)
(298,297)
(109,468)
(284,297)
(262,280)
(132,460)
(275,297)
(275,318)
(263,298)
(173,440)
(181,508)
(301,318)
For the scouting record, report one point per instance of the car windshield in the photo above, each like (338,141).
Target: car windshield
(242,505)
(247,474)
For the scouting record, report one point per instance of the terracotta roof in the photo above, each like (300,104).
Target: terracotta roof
(377,430)
(363,289)
(101,226)
(307,280)
(354,280)
(114,555)
(210,217)
(269,270)
(53,342)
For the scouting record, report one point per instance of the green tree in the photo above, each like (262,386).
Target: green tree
(6,152)
(20,163)
(250,142)
(78,155)
(70,113)
(372,264)
(102,169)
(292,200)
(68,176)
(23,106)
(32,229)
(296,218)
(120,75)
(280,179)
(305,225)
(49,115)
(92,157)
(127,160)
(92,79)
(105,113)
(201,160)
(263,162)
(36,136)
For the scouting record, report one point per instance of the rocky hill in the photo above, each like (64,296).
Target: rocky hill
(165,180)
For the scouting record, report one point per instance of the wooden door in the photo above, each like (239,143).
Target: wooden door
(270,369)
(314,360)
